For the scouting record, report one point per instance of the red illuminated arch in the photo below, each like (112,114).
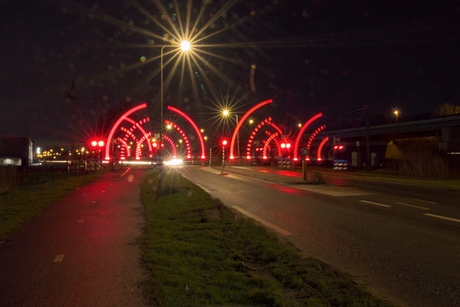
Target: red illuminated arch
(145,135)
(126,147)
(171,143)
(272,137)
(313,135)
(240,123)
(144,138)
(296,144)
(200,137)
(184,136)
(254,132)
(320,148)
(109,141)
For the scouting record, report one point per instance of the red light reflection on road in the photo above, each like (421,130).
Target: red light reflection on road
(280,172)
(285,189)
(287,173)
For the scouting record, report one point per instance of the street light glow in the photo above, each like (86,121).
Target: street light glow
(396,113)
(185,45)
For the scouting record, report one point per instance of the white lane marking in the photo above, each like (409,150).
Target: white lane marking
(59,258)
(374,203)
(443,217)
(203,188)
(268,224)
(413,206)
(330,190)
(425,201)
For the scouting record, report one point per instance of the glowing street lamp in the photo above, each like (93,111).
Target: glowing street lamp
(396,113)
(185,46)
(226,113)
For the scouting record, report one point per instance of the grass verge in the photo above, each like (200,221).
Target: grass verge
(19,206)
(201,253)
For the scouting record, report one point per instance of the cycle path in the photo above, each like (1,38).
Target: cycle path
(81,251)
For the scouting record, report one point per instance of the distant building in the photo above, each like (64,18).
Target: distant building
(16,150)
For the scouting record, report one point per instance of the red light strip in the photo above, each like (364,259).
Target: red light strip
(267,142)
(240,123)
(310,140)
(320,148)
(135,126)
(187,142)
(296,144)
(115,127)
(171,143)
(200,137)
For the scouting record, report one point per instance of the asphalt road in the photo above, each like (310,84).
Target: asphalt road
(399,241)
(81,251)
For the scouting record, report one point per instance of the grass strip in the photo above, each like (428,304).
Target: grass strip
(201,253)
(19,206)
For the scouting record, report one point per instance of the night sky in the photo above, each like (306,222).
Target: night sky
(308,56)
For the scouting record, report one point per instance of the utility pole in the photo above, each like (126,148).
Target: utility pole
(71,96)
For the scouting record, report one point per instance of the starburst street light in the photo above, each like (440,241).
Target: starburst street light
(396,113)
(184,47)
(226,113)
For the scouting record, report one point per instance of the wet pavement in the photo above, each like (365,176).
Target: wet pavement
(81,251)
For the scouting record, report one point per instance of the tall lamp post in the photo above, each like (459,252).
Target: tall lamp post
(185,46)
(226,113)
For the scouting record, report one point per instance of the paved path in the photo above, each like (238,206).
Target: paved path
(81,251)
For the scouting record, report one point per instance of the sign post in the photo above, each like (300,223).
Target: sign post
(357,162)
(304,153)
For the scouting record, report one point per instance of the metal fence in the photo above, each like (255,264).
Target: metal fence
(16,177)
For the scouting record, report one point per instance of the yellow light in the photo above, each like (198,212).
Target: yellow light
(185,45)
(225,112)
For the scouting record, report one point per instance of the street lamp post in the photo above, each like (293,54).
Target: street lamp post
(226,113)
(238,139)
(185,46)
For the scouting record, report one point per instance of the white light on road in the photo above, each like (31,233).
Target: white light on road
(174,162)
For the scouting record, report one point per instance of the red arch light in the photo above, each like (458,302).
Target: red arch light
(304,127)
(241,121)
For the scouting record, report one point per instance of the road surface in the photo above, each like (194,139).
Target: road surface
(404,248)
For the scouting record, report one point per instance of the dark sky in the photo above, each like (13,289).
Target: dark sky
(310,56)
